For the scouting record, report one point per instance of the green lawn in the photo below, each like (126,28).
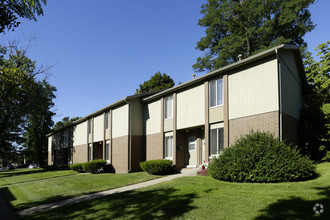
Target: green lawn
(25,175)
(28,194)
(206,198)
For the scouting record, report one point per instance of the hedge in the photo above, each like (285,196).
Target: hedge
(157,167)
(94,166)
(259,157)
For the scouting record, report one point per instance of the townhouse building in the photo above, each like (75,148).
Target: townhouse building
(194,121)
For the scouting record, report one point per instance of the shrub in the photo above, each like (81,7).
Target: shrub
(259,157)
(49,167)
(63,167)
(77,167)
(94,166)
(157,167)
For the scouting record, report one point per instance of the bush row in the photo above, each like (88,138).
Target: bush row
(56,167)
(157,167)
(259,157)
(94,166)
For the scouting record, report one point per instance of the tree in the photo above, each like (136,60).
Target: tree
(65,122)
(12,9)
(25,103)
(315,117)
(247,27)
(39,122)
(156,82)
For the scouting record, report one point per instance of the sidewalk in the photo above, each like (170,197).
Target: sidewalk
(46,207)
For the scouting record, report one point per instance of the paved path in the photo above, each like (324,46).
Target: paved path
(46,207)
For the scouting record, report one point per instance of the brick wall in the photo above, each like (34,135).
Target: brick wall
(120,154)
(80,153)
(154,146)
(262,122)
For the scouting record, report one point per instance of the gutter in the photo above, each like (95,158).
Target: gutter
(280,95)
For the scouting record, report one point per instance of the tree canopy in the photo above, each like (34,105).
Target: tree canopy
(11,10)
(156,82)
(247,27)
(315,117)
(25,105)
(64,122)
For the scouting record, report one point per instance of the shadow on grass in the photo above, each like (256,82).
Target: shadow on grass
(298,208)
(152,204)
(4,174)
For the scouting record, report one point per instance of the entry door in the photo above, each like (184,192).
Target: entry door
(192,152)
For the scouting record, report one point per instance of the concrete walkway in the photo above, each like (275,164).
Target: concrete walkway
(46,207)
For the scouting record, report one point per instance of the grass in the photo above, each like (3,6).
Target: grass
(26,175)
(206,198)
(29,194)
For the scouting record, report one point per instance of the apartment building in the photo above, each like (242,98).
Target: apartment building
(194,121)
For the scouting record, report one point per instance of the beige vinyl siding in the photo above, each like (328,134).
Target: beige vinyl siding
(98,128)
(168,124)
(137,118)
(50,143)
(216,114)
(120,120)
(291,85)
(191,107)
(253,90)
(153,118)
(80,134)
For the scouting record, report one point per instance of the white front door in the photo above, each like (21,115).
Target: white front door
(192,148)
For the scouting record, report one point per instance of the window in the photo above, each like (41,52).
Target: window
(168,107)
(216,141)
(192,143)
(89,126)
(107,150)
(216,92)
(107,120)
(89,152)
(168,147)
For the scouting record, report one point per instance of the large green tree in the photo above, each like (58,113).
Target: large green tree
(64,122)
(246,27)
(11,10)
(156,82)
(315,117)
(25,103)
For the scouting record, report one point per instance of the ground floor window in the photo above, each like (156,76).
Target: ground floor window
(168,151)
(107,150)
(89,152)
(216,141)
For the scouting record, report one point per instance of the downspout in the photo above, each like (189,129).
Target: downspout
(130,135)
(280,95)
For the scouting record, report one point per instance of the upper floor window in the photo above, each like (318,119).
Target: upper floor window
(216,92)
(107,120)
(89,126)
(168,107)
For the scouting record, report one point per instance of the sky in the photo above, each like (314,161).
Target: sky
(100,51)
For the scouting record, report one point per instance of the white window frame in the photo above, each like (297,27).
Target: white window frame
(217,142)
(90,152)
(166,116)
(89,126)
(166,139)
(216,93)
(107,151)
(190,142)
(107,120)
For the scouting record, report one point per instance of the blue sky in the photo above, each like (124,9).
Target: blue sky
(102,50)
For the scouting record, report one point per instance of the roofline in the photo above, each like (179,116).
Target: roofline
(98,112)
(221,70)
